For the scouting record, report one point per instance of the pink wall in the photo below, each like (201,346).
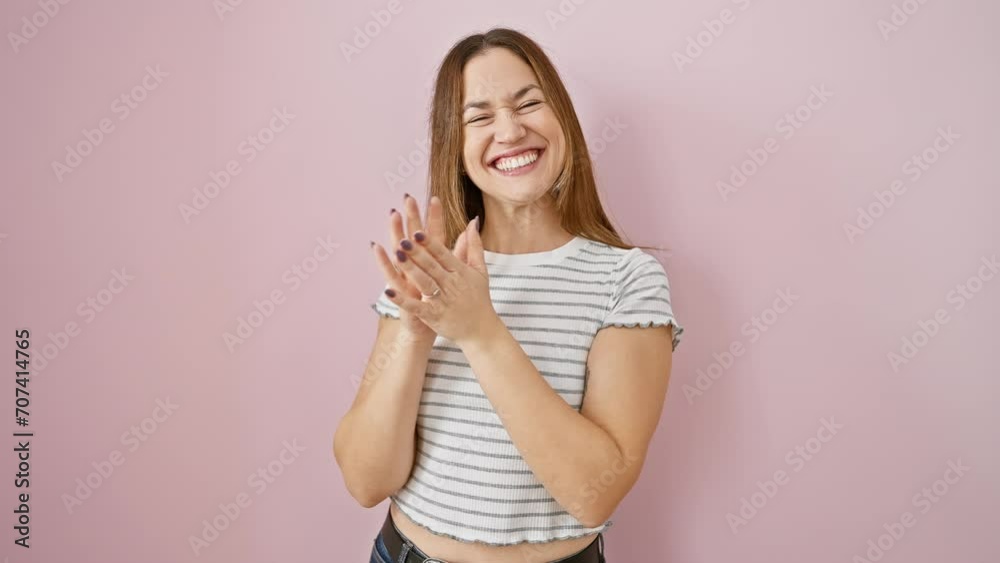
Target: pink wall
(200,84)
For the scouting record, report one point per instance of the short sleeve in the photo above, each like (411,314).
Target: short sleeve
(384,307)
(641,295)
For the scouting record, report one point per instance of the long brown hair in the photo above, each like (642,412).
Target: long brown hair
(576,197)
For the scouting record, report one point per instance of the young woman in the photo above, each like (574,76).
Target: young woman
(523,348)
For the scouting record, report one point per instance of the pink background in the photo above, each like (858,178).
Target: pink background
(62,238)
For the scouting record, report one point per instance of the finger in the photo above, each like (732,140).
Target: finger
(439,253)
(476,258)
(430,265)
(411,305)
(435,219)
(393,277)
(395,228)
(412,211)
(461,248)
(419,277)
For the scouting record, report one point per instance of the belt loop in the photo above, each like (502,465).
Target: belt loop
(404,552)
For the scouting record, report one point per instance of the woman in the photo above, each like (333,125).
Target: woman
(523,349)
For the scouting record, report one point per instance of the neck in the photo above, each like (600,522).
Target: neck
(522,229)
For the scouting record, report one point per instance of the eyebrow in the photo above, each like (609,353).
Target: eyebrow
(480,104)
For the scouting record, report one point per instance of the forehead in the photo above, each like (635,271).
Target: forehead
(497,73)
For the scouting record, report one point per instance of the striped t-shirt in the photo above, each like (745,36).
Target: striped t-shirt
(469,482)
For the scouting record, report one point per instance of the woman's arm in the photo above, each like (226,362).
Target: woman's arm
(587,460)
(374,442)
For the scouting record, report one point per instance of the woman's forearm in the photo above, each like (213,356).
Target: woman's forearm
(374,442)
(565,450)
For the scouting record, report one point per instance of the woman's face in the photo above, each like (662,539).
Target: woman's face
(511,117)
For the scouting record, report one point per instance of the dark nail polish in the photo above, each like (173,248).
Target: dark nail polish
(401,256)
(391,211)
(406,195)
(390,293)
(372,244)
(419,236)
(407,245)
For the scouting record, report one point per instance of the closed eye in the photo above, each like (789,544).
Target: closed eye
(523,106)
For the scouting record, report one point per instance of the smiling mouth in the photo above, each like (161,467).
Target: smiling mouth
(518,164)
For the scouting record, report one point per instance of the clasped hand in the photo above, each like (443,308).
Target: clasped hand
(447,290)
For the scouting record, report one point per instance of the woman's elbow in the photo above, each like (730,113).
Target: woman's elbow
(366,497)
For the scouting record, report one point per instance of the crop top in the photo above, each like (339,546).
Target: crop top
(468,481)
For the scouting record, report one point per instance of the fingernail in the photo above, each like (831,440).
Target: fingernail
(406,195)
(401,256)
(419,236)
(407,245)
(390,292)
(391,211)
(475,223)
(372,244)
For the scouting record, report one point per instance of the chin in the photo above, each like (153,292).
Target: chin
(518,197)
(518,190)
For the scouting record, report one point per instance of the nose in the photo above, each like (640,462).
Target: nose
(508,128)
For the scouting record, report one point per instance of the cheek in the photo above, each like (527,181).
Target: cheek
(556,150)
(550,129)
(473,152)
(469,160)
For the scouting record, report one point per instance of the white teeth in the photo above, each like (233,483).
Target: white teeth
(508,164)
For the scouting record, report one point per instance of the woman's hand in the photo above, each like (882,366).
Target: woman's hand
(395,277)
(455,284)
